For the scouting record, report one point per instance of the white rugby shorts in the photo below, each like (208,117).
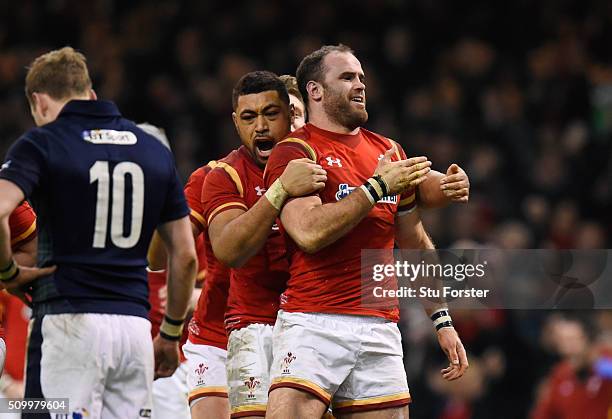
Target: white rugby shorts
(206,375)
(103,363)
(354,363)
(170,395)
(249,357)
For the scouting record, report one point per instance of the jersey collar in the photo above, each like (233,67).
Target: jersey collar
(90,108)
(350,140)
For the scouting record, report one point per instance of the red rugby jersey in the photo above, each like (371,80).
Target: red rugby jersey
(207,324)
(329,281)
(16,317)
(22,223)
(255,288)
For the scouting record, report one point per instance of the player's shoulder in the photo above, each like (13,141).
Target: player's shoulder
(199,174)
(232,167)
(38,135)
(154,131)
(300,139)
(147,135)
(377,138)
(383,143)
(233,158)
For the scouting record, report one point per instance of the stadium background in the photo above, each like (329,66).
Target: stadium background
(518,93)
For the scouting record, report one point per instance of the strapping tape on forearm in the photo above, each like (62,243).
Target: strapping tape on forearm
(375,189)
(171,329)
(276,194)
(441,318)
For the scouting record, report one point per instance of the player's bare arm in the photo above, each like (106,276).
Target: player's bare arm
(440,190)
(182,265)
(314,226)
(182,268)
(157,256)
(410,234)
(25,255)
(13,275)
(236,235)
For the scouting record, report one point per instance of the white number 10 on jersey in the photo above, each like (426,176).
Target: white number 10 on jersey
(100,173)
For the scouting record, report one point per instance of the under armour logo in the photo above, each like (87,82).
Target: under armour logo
(260,190)
(331,161)
(5,165)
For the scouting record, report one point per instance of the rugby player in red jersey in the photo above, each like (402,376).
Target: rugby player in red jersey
(206,348)
(22,223)
(328,347)
(243,234)
(436,191)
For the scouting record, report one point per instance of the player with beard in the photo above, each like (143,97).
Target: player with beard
(328,346)
(437,190)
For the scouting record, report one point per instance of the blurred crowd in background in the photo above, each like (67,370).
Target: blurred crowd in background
(518,93)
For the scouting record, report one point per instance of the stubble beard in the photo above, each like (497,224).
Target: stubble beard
(338,109)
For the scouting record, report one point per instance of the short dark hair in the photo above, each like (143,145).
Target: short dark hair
(311,67)
(257,82)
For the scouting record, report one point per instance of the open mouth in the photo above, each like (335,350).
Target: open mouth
(264,147)
(358,99)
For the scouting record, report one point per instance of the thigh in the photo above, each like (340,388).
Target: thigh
(210,407)
(378,381)
(291,403)
(206,375)
(388,413)
(170,396)
(129,382)
(248,370)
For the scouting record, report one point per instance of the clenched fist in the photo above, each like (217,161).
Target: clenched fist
(456,184)
(302,177)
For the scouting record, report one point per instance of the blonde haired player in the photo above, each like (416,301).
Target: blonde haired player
(90,301)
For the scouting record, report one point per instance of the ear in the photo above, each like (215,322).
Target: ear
(92,94)
(40,103)
(235,119)
(315,90)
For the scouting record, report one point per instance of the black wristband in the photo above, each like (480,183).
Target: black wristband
(169,337)
(174,322)
(382,184)
(372,191)
(439,314)
(444,324)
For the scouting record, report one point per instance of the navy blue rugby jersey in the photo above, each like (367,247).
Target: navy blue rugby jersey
(100,186)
